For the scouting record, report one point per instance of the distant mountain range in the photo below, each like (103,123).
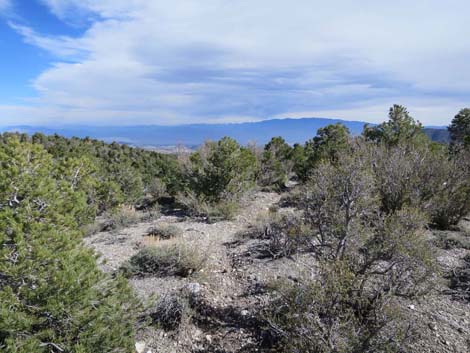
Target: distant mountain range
(292,130)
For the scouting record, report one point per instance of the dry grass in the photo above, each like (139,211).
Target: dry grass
(169,258)
(151,240)
(165,231)
(452,240)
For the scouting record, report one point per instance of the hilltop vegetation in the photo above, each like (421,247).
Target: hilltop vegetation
(361,210)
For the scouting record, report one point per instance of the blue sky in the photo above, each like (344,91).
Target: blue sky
(170,62)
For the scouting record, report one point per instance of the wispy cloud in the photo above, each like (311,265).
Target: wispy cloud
(5,5)
(61,46)
(210,60)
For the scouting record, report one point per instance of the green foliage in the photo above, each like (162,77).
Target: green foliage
(326,146)
(216,177)
(299,161)
(109,196)
(198,206)
(400,128)
(220,169)
(276,163)
(52,295)
(329,142)
(365,204)
(222,210)
(111,174)
(459,129)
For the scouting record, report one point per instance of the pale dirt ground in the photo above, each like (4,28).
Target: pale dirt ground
(231,285)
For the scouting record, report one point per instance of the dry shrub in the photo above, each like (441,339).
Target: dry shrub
(92,228)
(151,213)
(418,176)
(366,260)
(157,189)
(150,240)
(169,311)
(292,198)
(197,206)
(460,280)
(222,211)
(342,206)
(452,240)
(164,232)
(121,218)
(282,234)
(329,314)
(170,259)
(451,200)
(400,173)
(194,205)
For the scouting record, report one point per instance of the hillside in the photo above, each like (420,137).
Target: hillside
(222,304)
(438,134)
(292,130)
(342,244)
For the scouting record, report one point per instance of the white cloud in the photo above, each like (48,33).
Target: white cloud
(61,46)
(437,112)
(208,60)
(4,5)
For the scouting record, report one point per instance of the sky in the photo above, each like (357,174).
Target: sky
(128,62)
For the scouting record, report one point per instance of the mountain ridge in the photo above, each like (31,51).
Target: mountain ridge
(296,130)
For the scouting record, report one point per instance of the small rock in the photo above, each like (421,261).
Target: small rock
(245,312)
(252,278)
(209,338)
(432,326)
(411,306)
(140,347)
(447,343)
(193,289)
(197,333)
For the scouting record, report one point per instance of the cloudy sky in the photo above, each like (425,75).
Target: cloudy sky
(182,61)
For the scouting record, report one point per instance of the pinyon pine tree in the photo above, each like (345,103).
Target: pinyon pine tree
(53,298)
(276,163)
(459,129)
(400,128)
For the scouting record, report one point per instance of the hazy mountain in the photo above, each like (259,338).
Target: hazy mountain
(438,134)
(292,130)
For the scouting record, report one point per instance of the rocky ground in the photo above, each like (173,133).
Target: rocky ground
(229,291)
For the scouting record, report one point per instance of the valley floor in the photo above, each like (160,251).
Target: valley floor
(230,290)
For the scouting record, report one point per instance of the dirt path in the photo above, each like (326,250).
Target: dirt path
(225,322)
